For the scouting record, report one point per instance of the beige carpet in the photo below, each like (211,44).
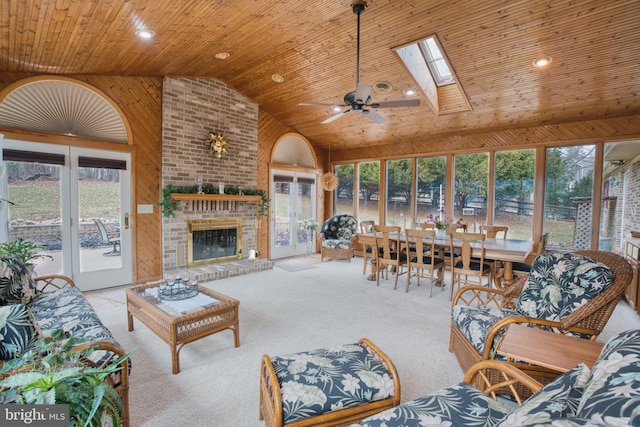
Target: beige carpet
(283,312)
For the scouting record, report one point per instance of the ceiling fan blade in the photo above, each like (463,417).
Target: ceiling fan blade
(372,115)
(322,104)
(337,116)
(400,103)
(362,93)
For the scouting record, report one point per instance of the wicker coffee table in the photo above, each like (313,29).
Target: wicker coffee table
(178,329)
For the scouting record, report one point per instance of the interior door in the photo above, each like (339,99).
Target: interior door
(56,193)
(293,201)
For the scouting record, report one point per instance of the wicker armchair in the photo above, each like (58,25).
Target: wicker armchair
(337,237)
(484,313)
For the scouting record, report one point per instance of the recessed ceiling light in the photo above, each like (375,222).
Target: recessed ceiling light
(222,55)
(145,34)
(409,92)
(543,61)
(337,108)
(277,78)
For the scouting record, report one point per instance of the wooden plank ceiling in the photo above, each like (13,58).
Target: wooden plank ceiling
(312,45)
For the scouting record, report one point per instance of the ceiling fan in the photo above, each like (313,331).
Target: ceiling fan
(360,99)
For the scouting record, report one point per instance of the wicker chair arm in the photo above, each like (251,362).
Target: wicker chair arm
(270,391)
(56,281)
(482,295)
(511,379)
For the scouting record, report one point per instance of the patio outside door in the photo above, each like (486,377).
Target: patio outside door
(293,200)
(58,191)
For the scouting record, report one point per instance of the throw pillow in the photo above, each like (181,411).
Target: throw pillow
(552,402)
(559,283)
(16,284)
(612,393)
(17,330)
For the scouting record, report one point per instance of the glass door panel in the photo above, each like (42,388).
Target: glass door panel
(100,205)
(35,210)
(99,210)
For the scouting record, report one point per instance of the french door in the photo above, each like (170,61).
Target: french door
(60,195)
(293,201)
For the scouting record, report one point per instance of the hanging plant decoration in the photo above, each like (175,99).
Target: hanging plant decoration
(217,144)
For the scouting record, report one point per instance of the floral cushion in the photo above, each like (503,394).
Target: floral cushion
(459,405)
(68,309)
(17,330)
(474,322)
(340,227)
(559,283)
(556,400)
(319,381)
(612,393)
(16,284)
(335,244)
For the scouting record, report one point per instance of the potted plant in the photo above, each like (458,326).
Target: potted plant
(26,250)
(55,372)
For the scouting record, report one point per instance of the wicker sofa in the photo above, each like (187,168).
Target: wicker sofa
(33,306)
(607,395)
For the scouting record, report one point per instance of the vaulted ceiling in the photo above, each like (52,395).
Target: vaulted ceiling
(594,45)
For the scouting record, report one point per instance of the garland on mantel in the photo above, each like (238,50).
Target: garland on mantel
(168,204)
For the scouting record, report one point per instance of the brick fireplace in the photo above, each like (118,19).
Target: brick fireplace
(191,109)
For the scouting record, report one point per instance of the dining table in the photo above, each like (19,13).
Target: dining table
(507,251)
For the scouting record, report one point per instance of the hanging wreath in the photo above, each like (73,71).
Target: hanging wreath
(217,144)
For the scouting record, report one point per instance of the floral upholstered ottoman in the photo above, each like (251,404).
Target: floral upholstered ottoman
(329,386)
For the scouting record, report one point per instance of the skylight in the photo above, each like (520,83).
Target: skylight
(436,62)
(436,80)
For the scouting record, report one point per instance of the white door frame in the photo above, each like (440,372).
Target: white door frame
(294,248)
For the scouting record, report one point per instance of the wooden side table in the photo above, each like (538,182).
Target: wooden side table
(547,349)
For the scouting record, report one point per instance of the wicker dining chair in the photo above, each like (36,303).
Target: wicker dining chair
(481,315)
(388,253)
(424,259)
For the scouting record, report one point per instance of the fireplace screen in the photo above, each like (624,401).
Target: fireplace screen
(212,241)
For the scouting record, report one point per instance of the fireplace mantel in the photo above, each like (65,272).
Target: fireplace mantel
(214,202)
(215,197)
